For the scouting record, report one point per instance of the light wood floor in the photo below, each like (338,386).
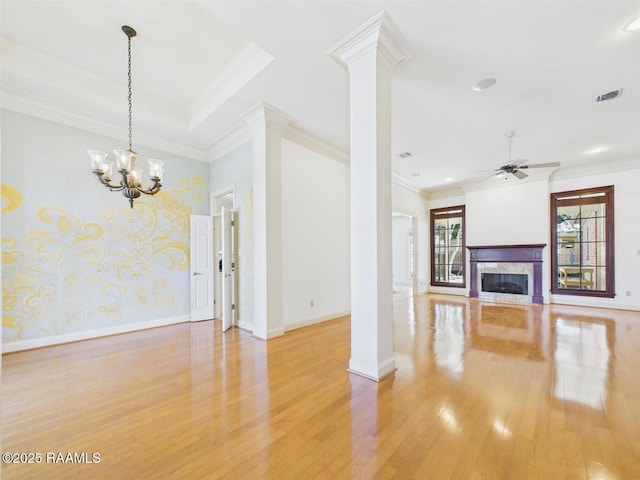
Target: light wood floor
(482,391)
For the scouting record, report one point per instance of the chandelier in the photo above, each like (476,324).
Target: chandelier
(131,176)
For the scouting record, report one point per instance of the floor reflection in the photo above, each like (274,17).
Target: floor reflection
(507,330)
(448,341)
(481,391)
(582,355)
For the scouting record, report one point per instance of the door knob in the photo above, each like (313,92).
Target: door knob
(197,273)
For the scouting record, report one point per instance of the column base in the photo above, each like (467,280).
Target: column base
(372,372)
(273,333)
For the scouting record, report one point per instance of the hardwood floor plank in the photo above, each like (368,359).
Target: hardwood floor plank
(482,392)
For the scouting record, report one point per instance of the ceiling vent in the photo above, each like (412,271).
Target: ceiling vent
(608,96)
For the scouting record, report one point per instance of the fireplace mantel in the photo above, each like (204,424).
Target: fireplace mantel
(530,253)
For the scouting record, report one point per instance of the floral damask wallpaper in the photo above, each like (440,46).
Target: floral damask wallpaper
(68,273)
(76,257)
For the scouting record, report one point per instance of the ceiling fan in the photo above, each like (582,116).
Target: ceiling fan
(516,168)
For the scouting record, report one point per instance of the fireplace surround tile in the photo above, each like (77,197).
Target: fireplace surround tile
(526,259)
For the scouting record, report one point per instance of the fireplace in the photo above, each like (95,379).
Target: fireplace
(506,273)
(513,283)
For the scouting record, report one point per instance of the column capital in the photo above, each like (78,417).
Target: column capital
(379,34)
(262,111)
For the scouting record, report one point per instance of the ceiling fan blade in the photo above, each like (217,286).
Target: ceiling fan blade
(520,174)
(541,165)
(487,177)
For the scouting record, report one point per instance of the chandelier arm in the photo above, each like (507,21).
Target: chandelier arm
(107,182)
(115,188)
(153,189)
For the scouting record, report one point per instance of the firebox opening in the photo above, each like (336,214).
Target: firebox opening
(516,284)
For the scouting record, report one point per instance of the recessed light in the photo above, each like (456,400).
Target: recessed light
(595,150)
(448,180)
(632,26)
(483,84)
(416,174)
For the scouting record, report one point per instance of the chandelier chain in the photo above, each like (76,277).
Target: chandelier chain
(131,182)
(129,96)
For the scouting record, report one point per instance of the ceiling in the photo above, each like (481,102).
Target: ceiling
(198,66)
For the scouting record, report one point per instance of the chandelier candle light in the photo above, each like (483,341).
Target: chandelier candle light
(131,182)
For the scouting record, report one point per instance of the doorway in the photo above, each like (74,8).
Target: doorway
(405,261)
(225,283)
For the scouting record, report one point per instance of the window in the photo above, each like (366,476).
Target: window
(582,242)
(448,247)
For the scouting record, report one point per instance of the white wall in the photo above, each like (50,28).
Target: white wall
(509,215)
(410,203)
(315,236)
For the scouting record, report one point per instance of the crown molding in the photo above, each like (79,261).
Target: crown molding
(596,169)
(311,141)
(443,193)
(22,70)
(241,133)
(24,89)
(398,181)
(566,173)
(246,65)
(230,140)
(65,115)
(263,111)
(510,181)
(379,34)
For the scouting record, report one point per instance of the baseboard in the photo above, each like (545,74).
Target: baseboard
(449,291)
(588,302)
(89,334)
(273,333)
(312,321)
(245,326)
(372,372)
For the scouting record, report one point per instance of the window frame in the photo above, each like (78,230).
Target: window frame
(439,213)
(609,240)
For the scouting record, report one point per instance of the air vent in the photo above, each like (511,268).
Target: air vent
(608,96)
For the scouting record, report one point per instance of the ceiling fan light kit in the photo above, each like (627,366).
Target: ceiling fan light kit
(515,169)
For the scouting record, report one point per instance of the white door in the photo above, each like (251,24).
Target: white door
(227,269)
(202,263)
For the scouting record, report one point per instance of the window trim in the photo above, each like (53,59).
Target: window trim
(456,211)
(608,191)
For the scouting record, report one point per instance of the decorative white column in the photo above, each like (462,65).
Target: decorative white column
(370,54)
(267,124)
